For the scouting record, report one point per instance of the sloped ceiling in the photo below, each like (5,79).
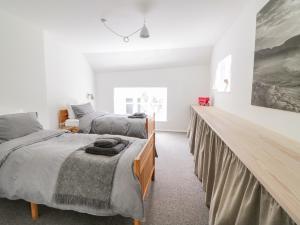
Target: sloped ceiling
(174,25)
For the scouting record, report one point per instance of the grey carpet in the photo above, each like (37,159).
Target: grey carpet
(175,198)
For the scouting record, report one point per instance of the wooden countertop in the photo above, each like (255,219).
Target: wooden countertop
(272,158)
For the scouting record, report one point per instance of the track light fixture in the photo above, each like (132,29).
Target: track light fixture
(144,32)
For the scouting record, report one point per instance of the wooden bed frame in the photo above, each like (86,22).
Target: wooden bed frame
(144,164)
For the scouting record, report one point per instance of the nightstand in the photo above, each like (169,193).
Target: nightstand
(72,129)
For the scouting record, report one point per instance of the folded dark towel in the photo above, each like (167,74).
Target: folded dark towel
(107,142)
(137,116)
(108,151)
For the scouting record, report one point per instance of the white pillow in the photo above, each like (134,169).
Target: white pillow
(83,109)
(72,123)
(70,112)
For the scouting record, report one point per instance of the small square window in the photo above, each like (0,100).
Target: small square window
(147,100)
(223,75)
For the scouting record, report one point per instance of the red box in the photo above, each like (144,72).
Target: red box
(203,101)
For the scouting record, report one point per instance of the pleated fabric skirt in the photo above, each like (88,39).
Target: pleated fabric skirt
(233,194)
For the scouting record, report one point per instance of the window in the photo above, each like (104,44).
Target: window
(223,75)
(147,100)
(129,105)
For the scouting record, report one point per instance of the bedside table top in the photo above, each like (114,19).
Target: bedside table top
(71,129)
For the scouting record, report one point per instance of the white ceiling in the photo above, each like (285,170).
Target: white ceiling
(173,24)
(150,59)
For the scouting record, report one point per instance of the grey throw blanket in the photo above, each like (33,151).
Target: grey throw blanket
(103,123)
(86,180)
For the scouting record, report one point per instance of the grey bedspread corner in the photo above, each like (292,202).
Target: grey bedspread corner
(103,123)
(126,182)
(137,128)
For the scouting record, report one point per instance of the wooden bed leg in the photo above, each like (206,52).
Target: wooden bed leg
(153,175)
(34,211)
(136,222)
(154,150)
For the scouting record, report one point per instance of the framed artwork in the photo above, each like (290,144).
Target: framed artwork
(276,79)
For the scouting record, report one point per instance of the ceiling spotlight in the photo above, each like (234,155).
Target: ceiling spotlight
(144,32)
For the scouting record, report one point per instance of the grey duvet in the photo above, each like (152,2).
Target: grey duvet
(30,169)
(104,123)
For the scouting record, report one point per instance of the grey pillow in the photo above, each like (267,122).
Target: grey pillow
(18,125)
(81,110)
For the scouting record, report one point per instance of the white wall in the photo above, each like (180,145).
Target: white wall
(37,73)
(69,77)
(22,68)
(239,41)
(184,85)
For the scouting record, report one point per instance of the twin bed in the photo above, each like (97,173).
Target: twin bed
(50,167)
(88,121)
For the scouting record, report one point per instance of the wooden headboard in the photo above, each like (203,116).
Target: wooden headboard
(62,117)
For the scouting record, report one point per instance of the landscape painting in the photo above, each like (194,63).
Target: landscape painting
(276,79)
